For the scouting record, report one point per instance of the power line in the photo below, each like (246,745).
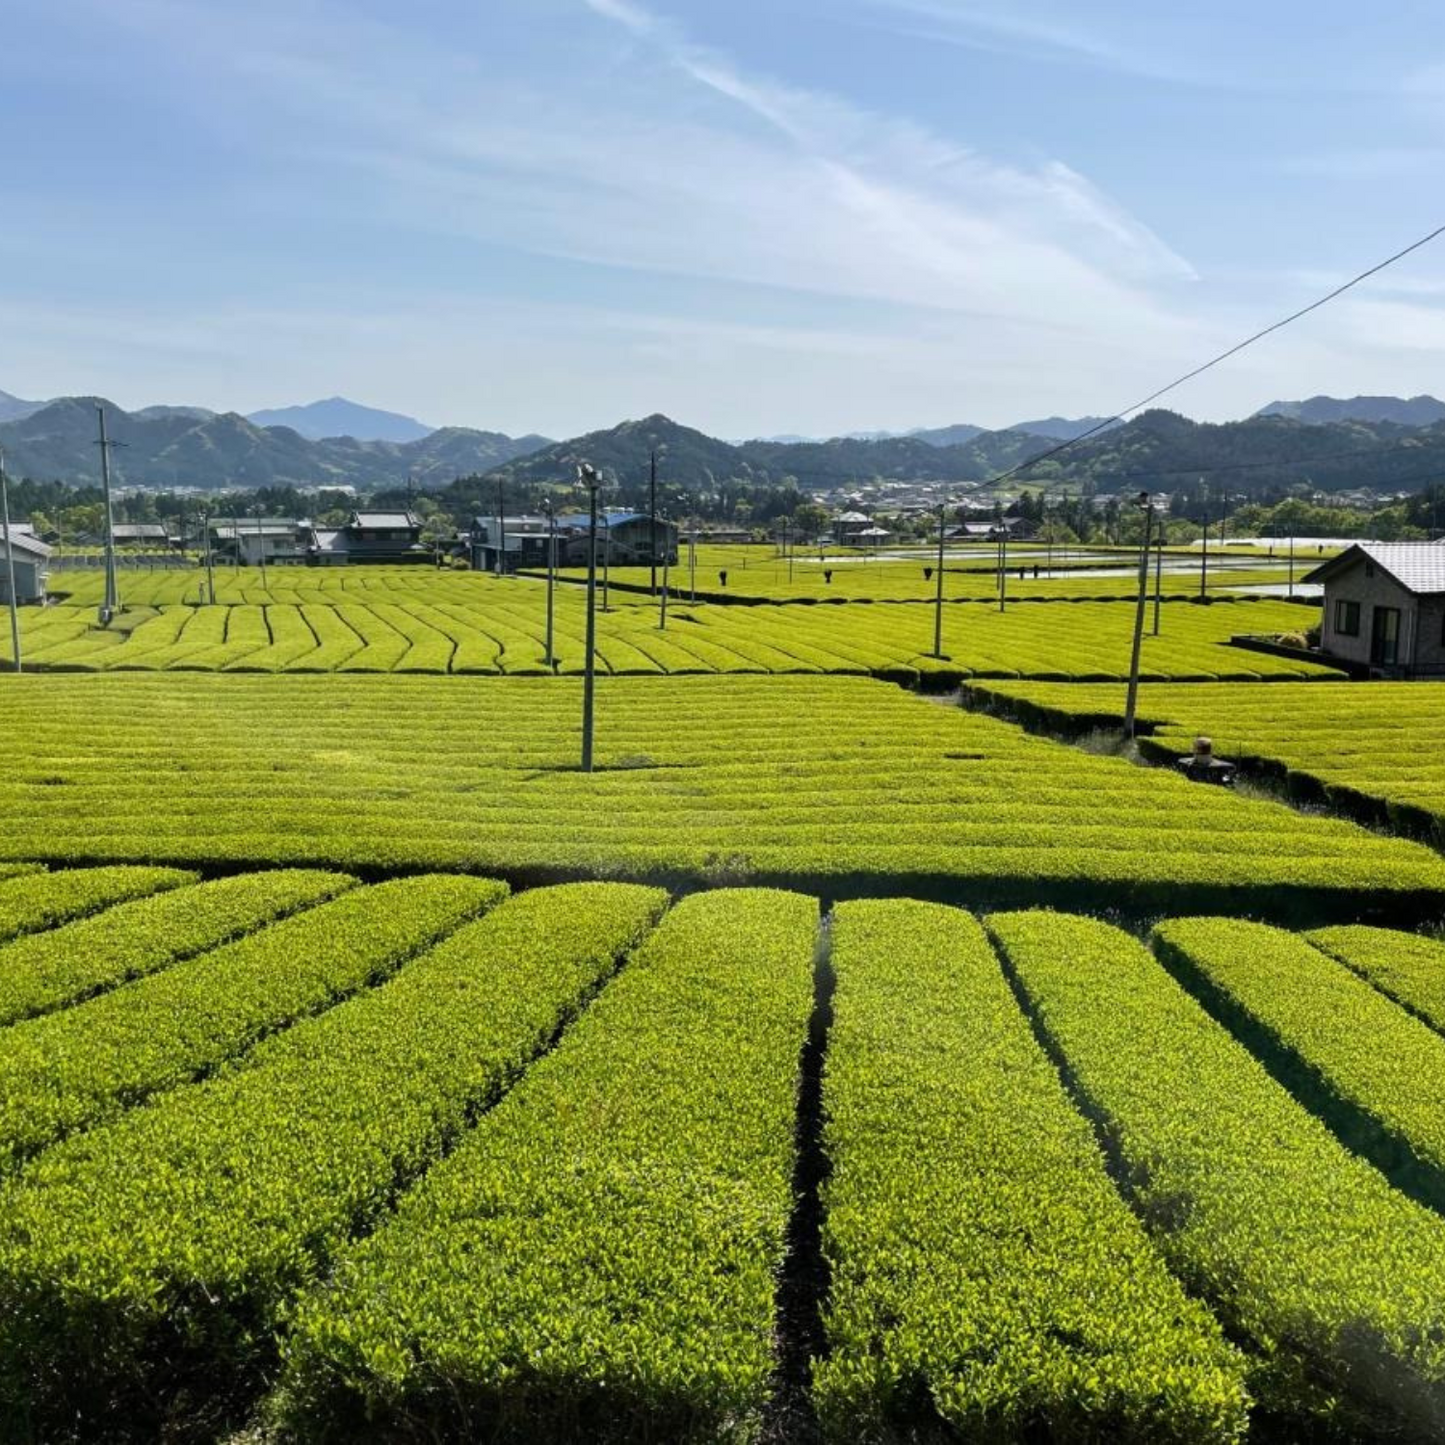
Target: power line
(1214,361)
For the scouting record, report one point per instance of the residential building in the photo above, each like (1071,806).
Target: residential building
(252,540)
(524,542)
(368,537)
(1384,607)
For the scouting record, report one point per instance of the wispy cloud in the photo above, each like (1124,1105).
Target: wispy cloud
(1015,28)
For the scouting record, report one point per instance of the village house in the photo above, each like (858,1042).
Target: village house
(252,540)
(1384,607)
(522,539)
(368,537)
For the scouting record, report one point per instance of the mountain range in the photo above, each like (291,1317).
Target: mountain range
(337,417)
(1156,451)
(189,446)
(1321,410)
(1283,444)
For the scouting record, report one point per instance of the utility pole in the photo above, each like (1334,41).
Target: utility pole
(501,531)
(1158,575)
(666,573)
(652,519)
(1133,700)
(587,475)
(111,605)
(692,561)
(1204,549)
(260,544)
(10,566)
(1002,566)
(1291,563)
(551,512)
(607,566)
(206,543)
(938,584)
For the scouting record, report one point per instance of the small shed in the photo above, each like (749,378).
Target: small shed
(1385,607)
(29,556)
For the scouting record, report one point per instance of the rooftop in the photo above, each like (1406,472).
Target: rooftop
(1418,567)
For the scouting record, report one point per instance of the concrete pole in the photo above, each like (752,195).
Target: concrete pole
(1133,700)
(111,604)
(10,566)
(551,579)
(938,584)
(588,476)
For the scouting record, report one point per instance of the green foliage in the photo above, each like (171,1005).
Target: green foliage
(825,783)
(46,971)
(981,1261)
(136,1254)
(1376,753)
(597,1258)
(85,1064)
(1406,966)
(1371,1057)
(31,902)
(412,619)
(1334,1279)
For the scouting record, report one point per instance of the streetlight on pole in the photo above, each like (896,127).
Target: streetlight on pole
(587,476)
(551,512)
(10,566)
(1132,703)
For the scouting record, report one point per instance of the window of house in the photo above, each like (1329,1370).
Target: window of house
(1369,569)
(1347,618)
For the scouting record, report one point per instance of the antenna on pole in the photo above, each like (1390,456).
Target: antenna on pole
(10,564)
(111,605)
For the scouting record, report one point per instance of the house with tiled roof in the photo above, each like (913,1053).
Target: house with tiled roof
(1385,607)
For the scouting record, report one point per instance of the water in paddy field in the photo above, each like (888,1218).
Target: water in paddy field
(1277,589)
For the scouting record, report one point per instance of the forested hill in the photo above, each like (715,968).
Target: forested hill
(1157,451)
(1161,451)
(169,447)
(696,461)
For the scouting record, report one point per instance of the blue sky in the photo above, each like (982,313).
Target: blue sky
(758,216)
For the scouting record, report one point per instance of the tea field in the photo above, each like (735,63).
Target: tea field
(839,786)
(838,1061)
(303,1157)
(1371,752)
(414,619)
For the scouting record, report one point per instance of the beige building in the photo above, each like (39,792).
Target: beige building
(1385,607)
